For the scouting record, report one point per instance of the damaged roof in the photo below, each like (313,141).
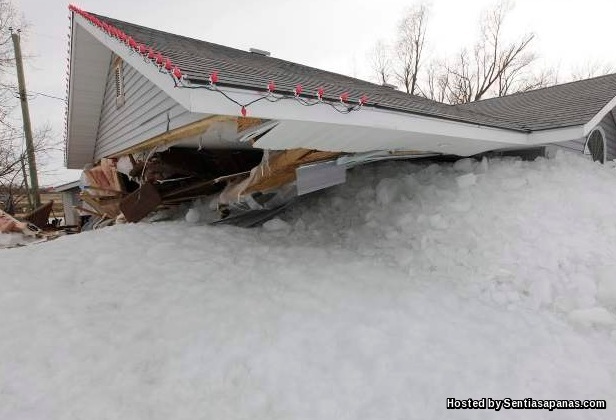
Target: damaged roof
(237,68)
(569,104)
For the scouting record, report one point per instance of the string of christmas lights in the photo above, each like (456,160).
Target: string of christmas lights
(67,83)
(344,105)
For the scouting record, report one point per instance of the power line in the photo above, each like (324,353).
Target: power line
(48,95)
(32,94)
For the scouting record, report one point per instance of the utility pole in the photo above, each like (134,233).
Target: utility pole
(34,187)
(23,171)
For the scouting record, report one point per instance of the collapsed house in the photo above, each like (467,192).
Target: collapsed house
(159,119)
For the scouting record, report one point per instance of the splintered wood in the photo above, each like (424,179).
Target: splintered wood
(104,189)
(9,224)
(244,123)
(276,169)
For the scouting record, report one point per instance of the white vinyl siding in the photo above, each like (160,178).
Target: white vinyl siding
(573,145)
(609,128)
(608,125)
(147,111)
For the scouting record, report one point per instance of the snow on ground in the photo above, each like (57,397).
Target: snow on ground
(376,300)
(11,240)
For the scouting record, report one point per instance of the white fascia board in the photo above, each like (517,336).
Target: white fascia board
(556,135)
(137,61)
(89,66)
(71,93)
(346,138)
(600,115)
(206,101)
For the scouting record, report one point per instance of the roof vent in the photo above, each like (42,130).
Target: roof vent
(260,52)
(389,85)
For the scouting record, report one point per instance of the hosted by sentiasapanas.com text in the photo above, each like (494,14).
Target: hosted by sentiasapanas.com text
(525,404)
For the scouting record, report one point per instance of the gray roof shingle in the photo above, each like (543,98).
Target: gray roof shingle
(557,106)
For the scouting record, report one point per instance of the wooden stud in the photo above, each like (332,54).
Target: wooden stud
(244,123)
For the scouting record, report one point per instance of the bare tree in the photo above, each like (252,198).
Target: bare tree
(436,82)
(8,19)
(460,87)
(380,61)
(12,149)
(523,81)
(522,78)
(494,67)
(13,161)
(591,69)
(409,47)
(9,134)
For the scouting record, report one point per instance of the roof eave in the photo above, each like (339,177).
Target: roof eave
(88,74)
(556,135)
(67,186)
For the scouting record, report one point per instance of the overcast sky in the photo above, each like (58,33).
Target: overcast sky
(335,35)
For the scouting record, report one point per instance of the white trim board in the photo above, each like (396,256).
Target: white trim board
(356,139)
(556,135)
(603,139)
(87,80)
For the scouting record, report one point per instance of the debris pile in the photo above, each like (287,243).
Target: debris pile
(34,227)
(245,186)
(239,182)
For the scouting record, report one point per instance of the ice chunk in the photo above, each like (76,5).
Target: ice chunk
(596,316)
(387,191)
(461,205)
(606,286)
(465,181)
(276,224)
(482,168)
(193,215)
(541,291)
(464,165)
(513,183)
(438,222)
